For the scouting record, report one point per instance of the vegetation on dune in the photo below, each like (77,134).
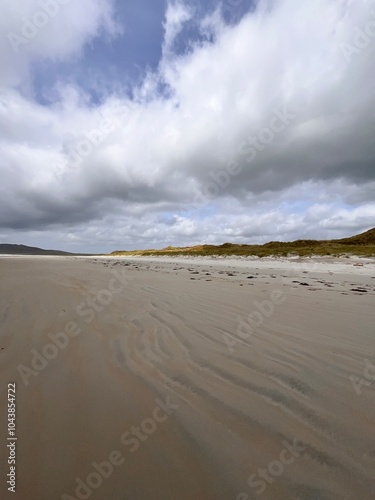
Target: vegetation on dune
(361,244)
(367,238)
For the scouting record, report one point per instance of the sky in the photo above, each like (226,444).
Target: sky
(148,123)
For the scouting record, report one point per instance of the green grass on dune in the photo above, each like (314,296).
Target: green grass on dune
(362,245)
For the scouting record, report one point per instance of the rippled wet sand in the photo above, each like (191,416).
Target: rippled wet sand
(200,400)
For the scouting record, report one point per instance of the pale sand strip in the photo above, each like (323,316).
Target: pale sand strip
(164,335)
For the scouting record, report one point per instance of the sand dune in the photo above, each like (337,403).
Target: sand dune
(192,380)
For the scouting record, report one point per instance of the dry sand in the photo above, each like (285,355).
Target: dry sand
(171,335)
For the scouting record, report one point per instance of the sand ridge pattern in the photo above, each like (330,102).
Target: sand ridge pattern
(171,337)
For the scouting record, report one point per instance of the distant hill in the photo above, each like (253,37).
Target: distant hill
(25,250)
(361,244)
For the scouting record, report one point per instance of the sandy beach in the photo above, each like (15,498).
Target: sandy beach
(189,379)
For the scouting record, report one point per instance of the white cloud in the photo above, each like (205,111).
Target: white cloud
(37,30)
(177,14)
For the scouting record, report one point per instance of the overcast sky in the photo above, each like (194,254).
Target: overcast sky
(147,123)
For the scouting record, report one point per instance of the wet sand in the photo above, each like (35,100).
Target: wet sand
(189,380)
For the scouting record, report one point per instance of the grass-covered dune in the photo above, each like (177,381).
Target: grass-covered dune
(362,244)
